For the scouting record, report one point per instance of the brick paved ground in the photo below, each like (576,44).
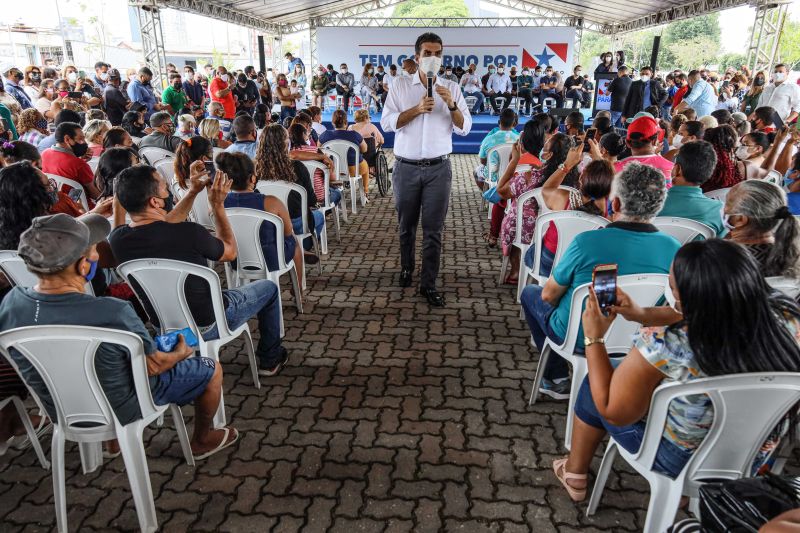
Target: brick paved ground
(390,416)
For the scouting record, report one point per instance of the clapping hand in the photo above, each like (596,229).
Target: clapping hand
(444,94)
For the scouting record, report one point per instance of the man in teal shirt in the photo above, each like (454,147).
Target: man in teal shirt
(694,164)
(631,242)
(505,133)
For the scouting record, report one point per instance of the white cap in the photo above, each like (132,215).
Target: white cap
(5,67)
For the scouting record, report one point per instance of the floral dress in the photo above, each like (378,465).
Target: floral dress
(520,184)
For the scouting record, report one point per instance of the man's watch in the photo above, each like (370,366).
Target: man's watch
(452,108)
(588,341)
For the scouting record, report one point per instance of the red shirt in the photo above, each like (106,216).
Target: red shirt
(678,98)
(227,101)
(64,163)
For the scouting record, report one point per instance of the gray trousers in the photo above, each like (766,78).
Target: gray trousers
(425,189)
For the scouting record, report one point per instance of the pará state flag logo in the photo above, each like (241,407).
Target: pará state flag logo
(533,60)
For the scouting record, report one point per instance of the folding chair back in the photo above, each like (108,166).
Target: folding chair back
(153,155)
(789,286)
(719,194)
(498,158)
(683,229)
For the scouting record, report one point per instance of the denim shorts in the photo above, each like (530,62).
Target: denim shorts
(670,458)
(184,382)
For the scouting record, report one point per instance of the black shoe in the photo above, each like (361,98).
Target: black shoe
(434,298)
(275,367)
(405,278)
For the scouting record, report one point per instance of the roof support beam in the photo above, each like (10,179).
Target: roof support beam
(424,22)
(536,11)
(665,16)
(215,11)
(334,18)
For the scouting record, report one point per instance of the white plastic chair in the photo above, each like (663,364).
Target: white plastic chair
(568,223)
(61,182)
(201,210)
(281,191)
(29,431)
(471,101)
(644,289)
(341,148)
(136,140)
(313,166)
(747,407)
(159,285)
(153,154)
(683,229)
(496,165)
(64,358)
(93,162)
(166,168)
(789,286)
(719,194)
(337,166)
(12,265)
(250,262)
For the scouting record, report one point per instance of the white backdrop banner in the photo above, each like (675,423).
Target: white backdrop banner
(520,47)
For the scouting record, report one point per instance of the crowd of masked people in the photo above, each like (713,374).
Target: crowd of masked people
(721,150)
(116,208)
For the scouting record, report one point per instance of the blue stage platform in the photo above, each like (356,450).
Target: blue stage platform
(470,144)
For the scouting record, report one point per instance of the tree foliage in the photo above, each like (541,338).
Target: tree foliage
(432,9)
(789,47)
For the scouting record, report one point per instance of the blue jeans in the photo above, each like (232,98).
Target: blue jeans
(670,459)
(546,264)
(184,382)
(335,195)
(615,116)
(259,298)
(319,223)
(478,103)
(537,313)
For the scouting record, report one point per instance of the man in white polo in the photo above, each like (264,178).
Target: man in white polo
(422,173)
(781,95)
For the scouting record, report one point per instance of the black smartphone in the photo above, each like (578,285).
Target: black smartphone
(211,169)
(75,195)
(590,133)
(75,95)
(604,283)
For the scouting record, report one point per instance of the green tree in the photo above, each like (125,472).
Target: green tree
(691,52)
(592,45)
(432,9)
(732,60)
(694,28)
(789,47)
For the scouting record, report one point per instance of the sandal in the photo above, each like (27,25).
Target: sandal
(560,470)
(511,280)
(22,442)
(490,239)
(224,443)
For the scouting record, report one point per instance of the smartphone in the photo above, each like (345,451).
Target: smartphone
(211,169)
(590,133)
(604,283)
(75,95)
(75,194)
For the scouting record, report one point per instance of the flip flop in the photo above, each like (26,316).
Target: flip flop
(44,427)
(560,470)
(224,443)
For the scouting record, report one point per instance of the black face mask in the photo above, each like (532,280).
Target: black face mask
(36,77)
(18,76)
(759,82)
(176,86)
(80,149)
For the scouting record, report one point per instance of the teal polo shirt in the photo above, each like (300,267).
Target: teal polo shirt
(636,248)
(689,202)
(495,137)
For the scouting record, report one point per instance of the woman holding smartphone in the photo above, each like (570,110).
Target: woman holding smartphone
(712,314)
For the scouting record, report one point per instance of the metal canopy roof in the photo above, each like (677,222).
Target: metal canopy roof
(608,16)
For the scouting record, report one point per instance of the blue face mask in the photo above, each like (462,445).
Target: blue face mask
(787,178)
(92,270)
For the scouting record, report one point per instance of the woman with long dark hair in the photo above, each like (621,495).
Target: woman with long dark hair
(133,123)
(758,218)
(728,171)
(723,320)
(193,149)
(111,163)
(273,164)
(23,197)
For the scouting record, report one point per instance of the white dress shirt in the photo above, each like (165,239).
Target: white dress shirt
(471,83)
(387,79)
(783,98)
(428,135)
(499,83)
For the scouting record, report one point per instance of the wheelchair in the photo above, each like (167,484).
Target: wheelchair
(378,166)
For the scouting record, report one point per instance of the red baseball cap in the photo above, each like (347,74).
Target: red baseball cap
(647,127)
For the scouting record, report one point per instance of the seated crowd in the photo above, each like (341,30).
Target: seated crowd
(78,198)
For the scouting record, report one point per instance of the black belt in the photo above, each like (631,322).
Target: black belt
(423,162)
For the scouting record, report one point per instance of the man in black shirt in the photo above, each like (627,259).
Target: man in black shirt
(246,93)
(115,100)
(576,88)
(618,88)
(143,194)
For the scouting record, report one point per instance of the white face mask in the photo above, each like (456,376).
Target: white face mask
(430,64)
(526,72)
(72,76)
(677,141)
(670,297)
(224,77)
(780,76)
(501,70)
(645,78)
(104,76)
(743,152)
(132,77)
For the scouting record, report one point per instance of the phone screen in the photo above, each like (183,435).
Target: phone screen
(76,95)
(604,283)
(211,169)
(590,133)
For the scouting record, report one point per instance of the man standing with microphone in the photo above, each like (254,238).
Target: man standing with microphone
(424,111)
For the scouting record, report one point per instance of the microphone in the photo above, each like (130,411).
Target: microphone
(429,75)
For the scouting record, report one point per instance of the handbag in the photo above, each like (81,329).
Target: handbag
(744,505)
(491,196)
